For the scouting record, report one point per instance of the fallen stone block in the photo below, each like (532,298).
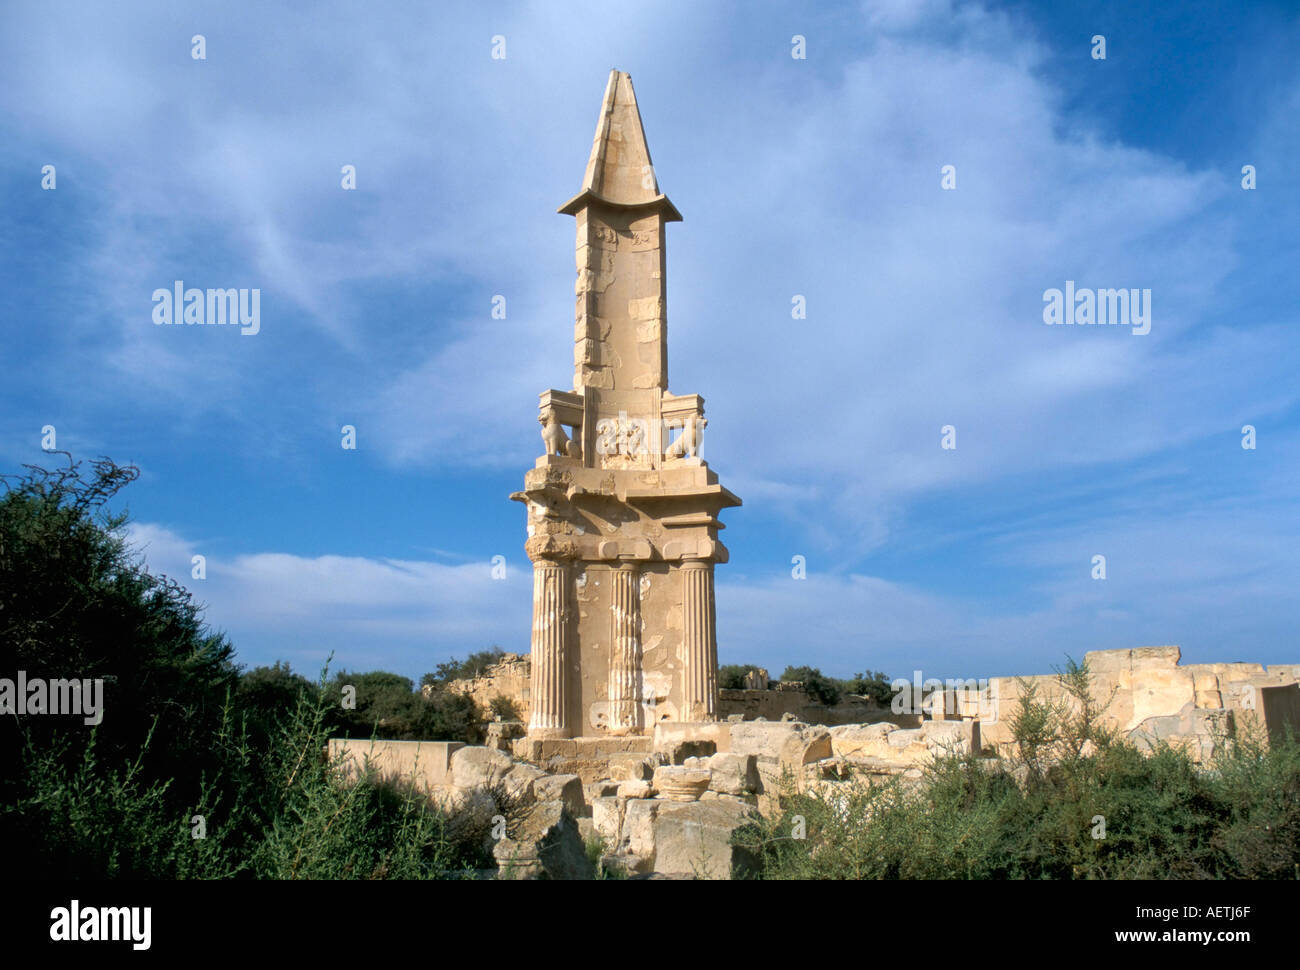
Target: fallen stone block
(565,788)
(427,763)
(749,801)
(695,839)
(519,783)
(635,789)
(669,737)
(635,767)
(809,744)
(607,817)
(502,735)
(905,737)
(732,773)
(681,784)
(763,739)
(638,837)
(791,743)
(474,767)
(598,789)
(861,739)
(628,865)
(682,751)
(546,844)
(590,770)
(952,737)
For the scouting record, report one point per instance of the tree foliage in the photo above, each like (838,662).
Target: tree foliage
(184,735)
(825,689)
(76,602)
(475,665)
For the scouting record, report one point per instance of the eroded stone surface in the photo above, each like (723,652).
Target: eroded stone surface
(695,839)
(567,789)
(732,773)
(680,783)
(475,767)
(546,844)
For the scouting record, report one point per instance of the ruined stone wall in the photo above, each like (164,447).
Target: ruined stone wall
(427,764)
(1155,698)
(509,678)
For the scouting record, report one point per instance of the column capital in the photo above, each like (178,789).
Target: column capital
(545,561)
(551,548)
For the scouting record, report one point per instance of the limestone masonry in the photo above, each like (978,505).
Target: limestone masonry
(622,511)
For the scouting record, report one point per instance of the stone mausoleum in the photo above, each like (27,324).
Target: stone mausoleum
(622,510)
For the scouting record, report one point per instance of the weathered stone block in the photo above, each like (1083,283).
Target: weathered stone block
(638,834)
(519,782)
(632,767)
(607,817)
(732,773)
(681,784)
(670,734)
(695,839)
(599,789)
(635,789)
(861,739)
(545,845)
(811,743)
(681,752)
(952,737)
(473,767)
(761,738)
(426,763)
(566,789)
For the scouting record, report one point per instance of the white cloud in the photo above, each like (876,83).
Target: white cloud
(373,613)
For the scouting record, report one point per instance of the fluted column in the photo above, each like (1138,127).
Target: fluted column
(700,641)
(550,653)
(625,652)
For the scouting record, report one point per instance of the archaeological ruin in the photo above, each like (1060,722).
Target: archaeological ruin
(624,736)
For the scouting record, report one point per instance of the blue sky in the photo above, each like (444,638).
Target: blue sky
(818,177)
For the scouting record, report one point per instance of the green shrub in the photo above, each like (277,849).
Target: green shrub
(825,689)
(387,706)
(732,676)
(78,603)
(504,708)
(872,684)
(475,665)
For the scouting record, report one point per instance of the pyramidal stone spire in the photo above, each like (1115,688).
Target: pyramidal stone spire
(619,171)
(622,510)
